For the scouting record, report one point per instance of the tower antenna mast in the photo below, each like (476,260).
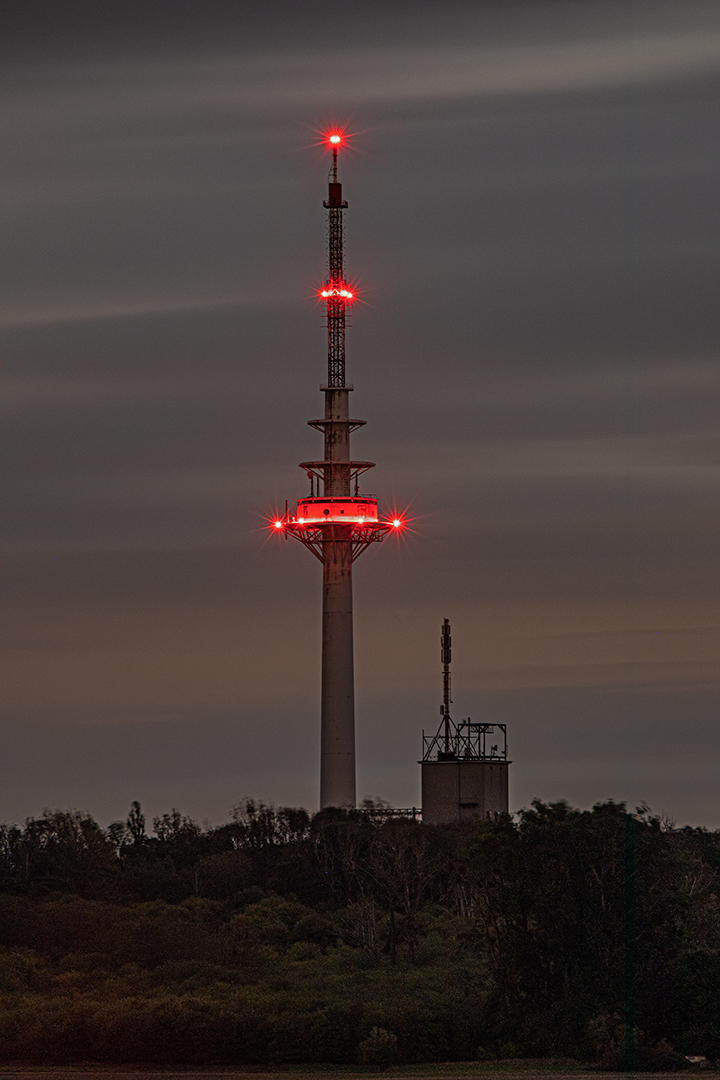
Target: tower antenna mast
(446,657)
(336,291)
(338,525)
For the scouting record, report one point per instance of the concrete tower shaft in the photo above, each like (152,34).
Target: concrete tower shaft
(336,480)
(337,710)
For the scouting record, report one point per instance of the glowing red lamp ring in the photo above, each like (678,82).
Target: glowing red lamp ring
(343,294)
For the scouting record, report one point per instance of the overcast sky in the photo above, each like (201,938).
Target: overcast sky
(533,224)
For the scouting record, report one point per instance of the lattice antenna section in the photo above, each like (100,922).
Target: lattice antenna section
(336,291)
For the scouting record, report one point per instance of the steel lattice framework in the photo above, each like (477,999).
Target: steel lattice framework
(356,538)
(336,288)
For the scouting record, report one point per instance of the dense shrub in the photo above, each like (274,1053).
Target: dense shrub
(351,938)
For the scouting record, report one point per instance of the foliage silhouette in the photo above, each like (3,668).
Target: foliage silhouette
(281,937)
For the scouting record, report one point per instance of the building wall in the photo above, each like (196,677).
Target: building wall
(496,787)
(455,790)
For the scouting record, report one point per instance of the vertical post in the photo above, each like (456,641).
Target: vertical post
(630,946)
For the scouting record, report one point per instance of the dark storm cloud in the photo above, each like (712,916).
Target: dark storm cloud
(533,223)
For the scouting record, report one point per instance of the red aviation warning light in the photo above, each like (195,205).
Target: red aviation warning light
(337,292)
(396,522)
(334,138)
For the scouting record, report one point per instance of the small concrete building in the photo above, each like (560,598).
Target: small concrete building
(464,766)
(470,778)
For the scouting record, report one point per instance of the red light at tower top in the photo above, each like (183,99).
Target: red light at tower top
(335,138)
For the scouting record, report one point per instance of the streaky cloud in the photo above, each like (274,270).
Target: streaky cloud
(265,83)
(57,313)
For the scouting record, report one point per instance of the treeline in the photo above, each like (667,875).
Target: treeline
(281,937)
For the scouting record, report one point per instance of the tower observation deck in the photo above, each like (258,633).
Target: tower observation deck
(338,522)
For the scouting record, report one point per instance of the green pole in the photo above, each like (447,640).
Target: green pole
(630,954)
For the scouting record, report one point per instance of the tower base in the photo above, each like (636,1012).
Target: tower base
(455,790)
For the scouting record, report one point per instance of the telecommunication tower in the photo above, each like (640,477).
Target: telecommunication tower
(339,523)
(464,766)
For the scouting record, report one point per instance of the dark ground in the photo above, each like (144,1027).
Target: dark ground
(524,1070)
